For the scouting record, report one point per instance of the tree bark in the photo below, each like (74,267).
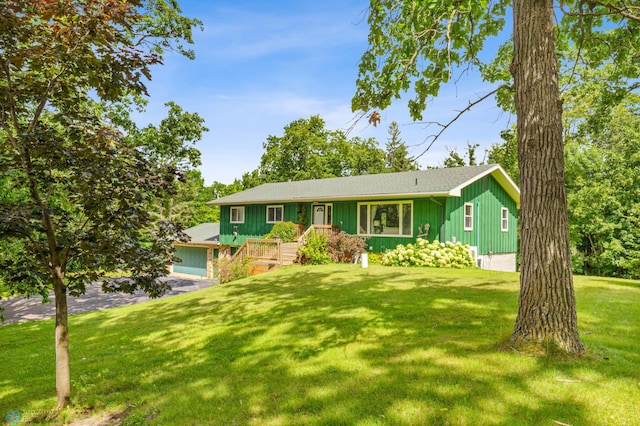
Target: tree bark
(547,307)
(63,376)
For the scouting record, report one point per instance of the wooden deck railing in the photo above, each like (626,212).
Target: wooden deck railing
(318,229)
(271,249)
(258,248)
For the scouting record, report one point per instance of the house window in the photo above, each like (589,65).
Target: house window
(468,216)
(237,214)
(388,219)
(274,214)
(504,219)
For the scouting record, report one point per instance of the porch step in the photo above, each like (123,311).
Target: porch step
(260,266)
(266,264)
(289,253)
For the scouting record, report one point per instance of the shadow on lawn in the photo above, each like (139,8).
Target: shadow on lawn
(327,346)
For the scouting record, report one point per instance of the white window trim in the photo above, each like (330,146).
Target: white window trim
(278,206)
(400,204)
(504,219)
(465,216)
(239,208)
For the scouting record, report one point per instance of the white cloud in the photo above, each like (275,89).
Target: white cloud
(237,35)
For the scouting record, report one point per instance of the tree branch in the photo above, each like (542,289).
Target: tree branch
(631,12)
(445,126)
(12,107)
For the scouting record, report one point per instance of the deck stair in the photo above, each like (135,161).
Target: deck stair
(288,254)
(265,255)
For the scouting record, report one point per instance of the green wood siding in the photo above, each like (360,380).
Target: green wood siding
(345,216)
(428,211)
(488,198)
(255,222)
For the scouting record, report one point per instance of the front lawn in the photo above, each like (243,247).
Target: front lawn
(334,344)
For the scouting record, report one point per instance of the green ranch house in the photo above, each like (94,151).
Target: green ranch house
(475,205)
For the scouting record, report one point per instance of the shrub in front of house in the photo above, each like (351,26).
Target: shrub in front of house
(375,258)
(315,251)
(286,231)
(345,247)
(229,270)
(434,254)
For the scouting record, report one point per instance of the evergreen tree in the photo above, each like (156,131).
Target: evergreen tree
(397,157)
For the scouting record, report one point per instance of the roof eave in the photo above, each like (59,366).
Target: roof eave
(363,197)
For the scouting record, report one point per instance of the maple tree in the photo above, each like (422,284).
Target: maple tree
(77,188)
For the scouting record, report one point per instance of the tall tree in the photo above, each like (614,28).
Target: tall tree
(545,263)
(505,153)
(419,45)
(307,150)
(302,152)
(181,206)
(397,155)
(171,142)
(361,157)
(456,160)
(81,187)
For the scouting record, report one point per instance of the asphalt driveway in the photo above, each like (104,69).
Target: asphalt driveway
(21,309)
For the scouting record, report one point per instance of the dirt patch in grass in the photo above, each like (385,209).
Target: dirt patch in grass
(101,420)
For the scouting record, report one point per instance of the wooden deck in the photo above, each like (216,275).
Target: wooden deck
(269,254)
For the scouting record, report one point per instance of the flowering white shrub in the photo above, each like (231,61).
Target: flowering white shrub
(435,254)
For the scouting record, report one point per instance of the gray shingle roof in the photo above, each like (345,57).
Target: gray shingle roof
(436,182)
(208,233)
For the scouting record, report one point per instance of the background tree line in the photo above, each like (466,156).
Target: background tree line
(602,156)
(306,150)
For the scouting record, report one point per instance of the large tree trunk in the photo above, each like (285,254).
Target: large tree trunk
(63,378)
(547,307)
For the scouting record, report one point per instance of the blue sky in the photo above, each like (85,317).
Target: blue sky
(262,64)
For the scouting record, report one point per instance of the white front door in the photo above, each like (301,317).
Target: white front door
(318,214)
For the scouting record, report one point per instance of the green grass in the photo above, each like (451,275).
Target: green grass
(4,291)
(335,345)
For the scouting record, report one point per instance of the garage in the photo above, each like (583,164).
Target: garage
(194,260)
(196,256)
